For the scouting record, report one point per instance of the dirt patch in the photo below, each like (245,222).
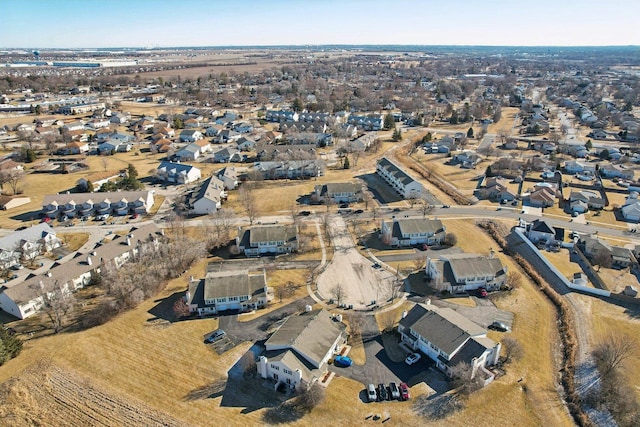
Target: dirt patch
(50,395)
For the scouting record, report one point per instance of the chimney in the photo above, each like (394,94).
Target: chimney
(88,260)
(128,241)
(94,253)
(48,274)
(492,253)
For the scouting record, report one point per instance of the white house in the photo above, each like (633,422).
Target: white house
(298,352)
(85,204)
(631,208)
(459,273)
(579,167)
(267,239)
(190,152)
(399,180)
(24,299)
(190,135)
(412,231)
(209,196)
(177,173)
(540,230)
(27,244)
(228,290)
(448,338)
(340,192)
(229,176)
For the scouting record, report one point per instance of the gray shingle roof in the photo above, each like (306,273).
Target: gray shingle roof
(31,234)
(310,334)
(472,265)
(443,327)
(418,225)
(271,233)
(394,170)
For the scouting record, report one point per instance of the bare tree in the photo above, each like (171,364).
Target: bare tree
(425,207)
(367,199)
(356,321)
(13,178)
(612,352)
(602,258)
(512,349)
(338,293)
(465,379)
(248,364)
(514,280)
(181,309)
(374,212)
(248,202)
(57,302)
(311,397)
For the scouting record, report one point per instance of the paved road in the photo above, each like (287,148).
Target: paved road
(487,141)
(359,281)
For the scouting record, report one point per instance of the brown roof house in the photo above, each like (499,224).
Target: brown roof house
(297,353)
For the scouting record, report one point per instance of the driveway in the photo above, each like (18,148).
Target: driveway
(379,368)
(359,281)
(484,313)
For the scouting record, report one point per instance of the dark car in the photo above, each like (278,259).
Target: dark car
(394,391)
(342,361)
(359,211)
(482,292)
(396,209)
(499,326)
(305,213)
(344,205)
(376,265)
(382,392)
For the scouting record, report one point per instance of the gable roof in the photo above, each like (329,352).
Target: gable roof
(542,226)
(417,226)
(31,234)
(394,170)
(270,233)
(210,189)
(472,265)
(445,328)
(178,167)
(311,334)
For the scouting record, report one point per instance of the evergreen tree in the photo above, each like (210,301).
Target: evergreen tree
(10,346)
(89,186)
(389,122)
(454,118)
(346,164)
(588,145)
(470,133)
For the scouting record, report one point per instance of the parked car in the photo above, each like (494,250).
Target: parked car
(404,391)
(376,265)
(382,392)
(358,211)
(394,391)
(17,267)
(372,395)
(412,358)
(342,361)
(135,216)
(215,336)
(482,292)
(344,205)
(305,213)
(499,326)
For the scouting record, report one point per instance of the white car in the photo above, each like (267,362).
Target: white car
(412,358)
(372,395)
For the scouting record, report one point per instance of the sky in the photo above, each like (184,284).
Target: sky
(171,23)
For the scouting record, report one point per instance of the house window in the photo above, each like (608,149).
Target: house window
(275,376)
(276,367)
(286,371)
(288,380)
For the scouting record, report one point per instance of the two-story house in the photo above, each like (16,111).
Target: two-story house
(190,135)
(27,244)
(229,176)
(177,173)
(412,231)
(448,338)
(459,273)
(209,196)
(228,290)
(398,179)
(298,352)
(339,192)
(267,239)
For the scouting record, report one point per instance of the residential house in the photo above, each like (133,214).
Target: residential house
(192,123)
(583,200)
(621,257)
(11,202)
(188,153)
(459,273)
(298,352)
(99,123)
(227,155)
(114,146)
(497,188)
(27,244)
(86,204)
(205,146)
(24,299)
(228,290)
(190,135)
(467,159)
(81,108)
(229,177)
(281,116)
(373,122)
(398,179)
(578,167)
(286,152)
(540,230)
(631,208)
(616,171)
(243,127)
(77,125)
(120,118)
(448,339)
(412,231)
(314,117)
(542,197)
(267,239)
(291,169)
(340,192)
(77,147)
(177,173)
(46,121)
(209,196)
(245,144)
(97,179)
